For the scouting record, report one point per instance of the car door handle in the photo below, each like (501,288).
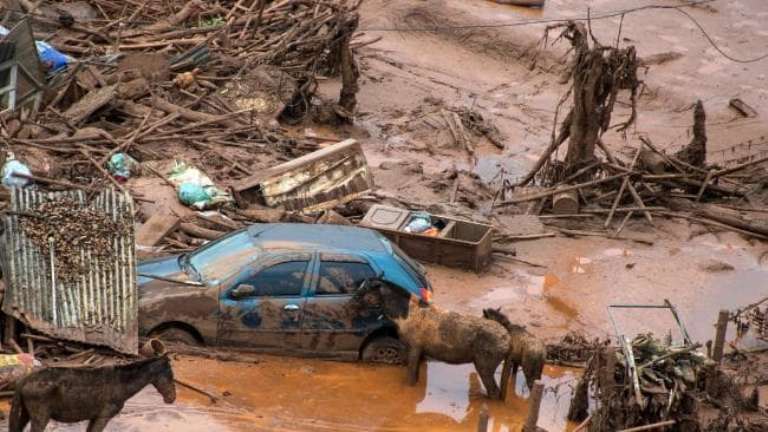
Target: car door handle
(291,307)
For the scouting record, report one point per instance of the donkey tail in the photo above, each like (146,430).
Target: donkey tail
(18,417)
(496,315)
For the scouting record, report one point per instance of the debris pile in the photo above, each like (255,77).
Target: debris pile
(70,228)
(602,193)
(657,383)
(162,78)
(573,349)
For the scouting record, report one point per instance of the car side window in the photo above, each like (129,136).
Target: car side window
(280,280)
(337,277)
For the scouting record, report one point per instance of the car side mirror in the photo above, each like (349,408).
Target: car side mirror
(243,290)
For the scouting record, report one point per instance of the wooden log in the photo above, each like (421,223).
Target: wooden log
(608,373)
(550,192)
(91,102)
(565,203)
(650,426)
(534,407)
(156,228)
(200,232)
(742,108)
(193,115)
(720,332)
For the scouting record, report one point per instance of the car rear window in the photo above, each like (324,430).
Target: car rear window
(224,257)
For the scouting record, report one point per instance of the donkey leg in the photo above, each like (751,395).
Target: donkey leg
(414,361)
(486,368)
(505,371)
(39,422)
(98,424)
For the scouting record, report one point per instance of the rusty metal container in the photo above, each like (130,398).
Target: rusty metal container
(460,243)
(318,181)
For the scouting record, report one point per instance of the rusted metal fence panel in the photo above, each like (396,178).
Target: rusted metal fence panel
(100,308)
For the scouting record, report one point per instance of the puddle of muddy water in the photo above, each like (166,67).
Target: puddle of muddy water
(288,394)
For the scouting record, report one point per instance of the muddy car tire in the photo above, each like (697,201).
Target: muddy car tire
(386,350)
(177,335)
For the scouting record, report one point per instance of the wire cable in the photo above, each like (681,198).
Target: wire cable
(606,15)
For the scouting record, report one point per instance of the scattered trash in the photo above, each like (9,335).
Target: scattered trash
(14,367)
(195,188)
(11,167)
(50,56)
(418,223)
(122,166)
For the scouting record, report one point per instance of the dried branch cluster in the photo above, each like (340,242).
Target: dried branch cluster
(81,235)
(153,77)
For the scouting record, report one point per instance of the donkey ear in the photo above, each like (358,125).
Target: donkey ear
(153,348)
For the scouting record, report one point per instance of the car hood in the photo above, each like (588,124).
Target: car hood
(167,267)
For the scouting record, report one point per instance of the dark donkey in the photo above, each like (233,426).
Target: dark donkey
(72,395)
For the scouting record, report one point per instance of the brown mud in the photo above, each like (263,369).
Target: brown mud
(286,394)
(408,76)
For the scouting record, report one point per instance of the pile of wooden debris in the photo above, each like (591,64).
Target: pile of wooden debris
(657,385)
(161,77)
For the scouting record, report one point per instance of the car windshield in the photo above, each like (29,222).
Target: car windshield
(223,257)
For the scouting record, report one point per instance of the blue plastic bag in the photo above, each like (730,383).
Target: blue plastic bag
(49,55)
(192,194)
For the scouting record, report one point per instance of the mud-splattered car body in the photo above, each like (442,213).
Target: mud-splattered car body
(287,288)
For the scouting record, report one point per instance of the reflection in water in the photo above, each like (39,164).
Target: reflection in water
(288,394)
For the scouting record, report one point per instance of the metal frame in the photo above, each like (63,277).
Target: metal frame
(626,345)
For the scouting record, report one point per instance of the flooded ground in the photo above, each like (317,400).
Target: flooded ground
(284,394)
(409,75)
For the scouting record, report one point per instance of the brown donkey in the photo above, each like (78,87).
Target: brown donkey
(72,395)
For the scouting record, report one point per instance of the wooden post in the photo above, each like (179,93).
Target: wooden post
(608,373)
(534,405)
(722,326)
(9,330)
(482,423)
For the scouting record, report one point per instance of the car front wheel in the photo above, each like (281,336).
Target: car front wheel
(175,334)
(386,350)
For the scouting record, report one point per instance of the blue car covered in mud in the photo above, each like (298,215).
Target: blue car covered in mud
(283,288)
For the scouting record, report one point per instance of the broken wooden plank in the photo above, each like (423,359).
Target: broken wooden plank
(200,232)
(90,103)
(156,228)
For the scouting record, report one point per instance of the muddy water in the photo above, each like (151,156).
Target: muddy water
(287,394)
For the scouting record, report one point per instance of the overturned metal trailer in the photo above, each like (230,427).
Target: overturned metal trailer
(98,308)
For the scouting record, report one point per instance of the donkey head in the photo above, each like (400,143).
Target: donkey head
(393,301)
(163,379)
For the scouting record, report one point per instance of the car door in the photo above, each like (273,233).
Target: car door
(333,319)
(262,307)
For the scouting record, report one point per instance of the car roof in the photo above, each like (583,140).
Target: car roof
(316,237)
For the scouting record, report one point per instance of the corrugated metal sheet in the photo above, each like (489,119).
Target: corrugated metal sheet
(313,182)
(101,308)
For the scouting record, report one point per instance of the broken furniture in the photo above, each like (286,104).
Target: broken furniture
(22,79)
(317,181)
(459,243)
